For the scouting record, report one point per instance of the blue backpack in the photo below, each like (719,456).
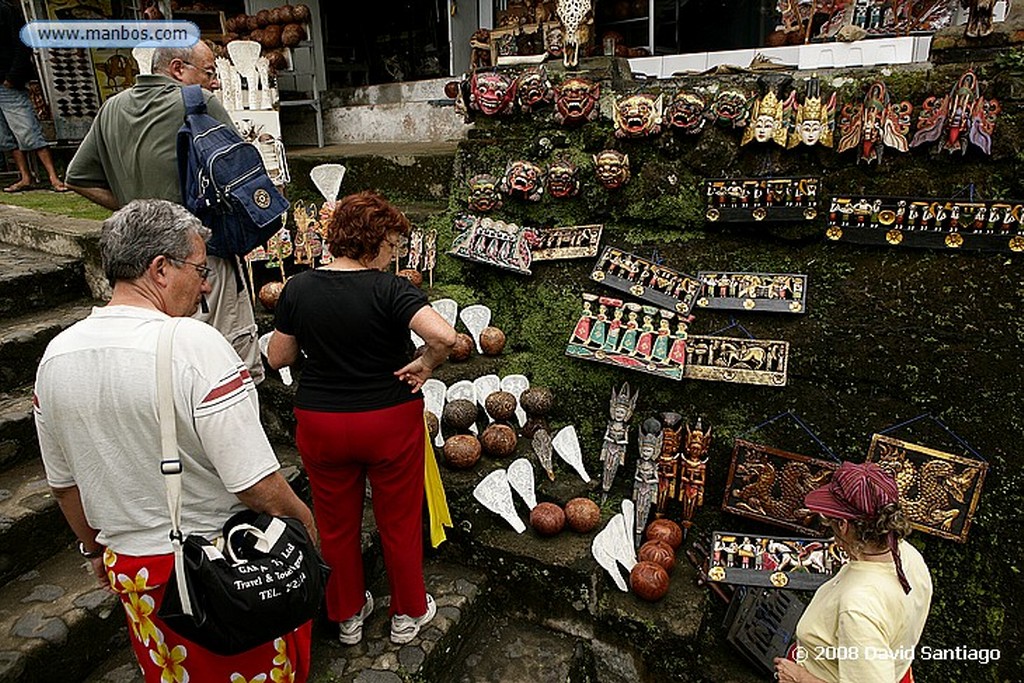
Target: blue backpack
(224,182)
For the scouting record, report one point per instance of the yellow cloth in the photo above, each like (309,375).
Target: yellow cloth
(437,503)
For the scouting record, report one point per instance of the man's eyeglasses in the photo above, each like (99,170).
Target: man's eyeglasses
(211,73)
(204,271)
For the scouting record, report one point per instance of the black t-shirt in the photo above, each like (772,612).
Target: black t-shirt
(354,329)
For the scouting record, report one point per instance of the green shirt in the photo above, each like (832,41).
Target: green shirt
(131,148)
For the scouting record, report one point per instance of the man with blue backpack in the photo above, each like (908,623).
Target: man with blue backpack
(131,152)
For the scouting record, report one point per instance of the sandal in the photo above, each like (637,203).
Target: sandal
(60,188)
(17,187)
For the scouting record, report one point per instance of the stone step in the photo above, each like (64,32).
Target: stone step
(23,340)
(456,589)
(56,623)
(31,280)
(17,430)
(31,525)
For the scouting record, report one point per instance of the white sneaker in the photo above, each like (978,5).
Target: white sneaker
(404,629)
(350,631)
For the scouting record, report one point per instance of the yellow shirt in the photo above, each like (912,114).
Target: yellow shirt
(861,627)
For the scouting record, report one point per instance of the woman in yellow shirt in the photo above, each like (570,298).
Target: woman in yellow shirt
(864,623)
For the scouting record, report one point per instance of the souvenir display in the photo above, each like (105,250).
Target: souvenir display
(638,116)
(533,89)
(916,222)
(814,120)
(434,392)
(879,17)
(613,547)
(665,530)
(645,481)
(547,519)
(583,515)
(269,294)
(659,553)
(762,624)
(649,581)
(576,101)
(979,17)
(495,494)
(729,108)
(492,341)
(773,292)
(959,119)
(520,478)
(767,121)
(480,49)
(430,254)
(682,469)
(939,491)
(616,435)
(523,180)
(572,13)
(484,196)
(646,280)
(686,112)
(494,243)
(611,168)
(462,349)
(773,561)
(307,241)
(874,124)
(576,241)
(737,360)
(567,444)
(768,485)
(616,335)
(562,179)
(516,385)
(761,199)
(500,406)
(483,388)
(491,93)
(498,440)
(459,414)
(542,448)
(537,402)
(476,318)
(462,451)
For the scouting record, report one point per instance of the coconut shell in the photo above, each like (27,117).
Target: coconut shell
(537,400)
(461,451)
(649,581)
(412,275)
(665,530)
(251,24)
(463,348)
(287,14)
(433,424)
(274,15)
(263,18)
(501,405)
(270,293)
(658,552)
(459,414)
(271,37)
(547,519)
(583,515)
(277,60)
(302,13)
(293,34)
(492,341)
(257,36)
(499,440)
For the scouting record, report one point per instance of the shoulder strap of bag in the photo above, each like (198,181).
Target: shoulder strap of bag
(170,463)
(195,103)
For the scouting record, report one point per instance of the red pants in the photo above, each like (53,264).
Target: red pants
(166,656)
(339,451)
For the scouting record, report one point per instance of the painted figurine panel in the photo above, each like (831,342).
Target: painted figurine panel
(768,485)
(494,243)
(773,561)
(939,491)
(934,223)
(761,199)
(629,335)
(646,280)
(738,360)
(577,241)
(773,292)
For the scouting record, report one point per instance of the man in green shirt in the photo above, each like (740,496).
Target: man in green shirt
(131,153)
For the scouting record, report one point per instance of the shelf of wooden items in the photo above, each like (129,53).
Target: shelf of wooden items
(212,24)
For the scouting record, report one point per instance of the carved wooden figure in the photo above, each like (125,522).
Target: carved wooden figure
(616,435)
(645,481)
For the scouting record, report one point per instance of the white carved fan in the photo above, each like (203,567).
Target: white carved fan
(520,476)
(567,445)
(243,54)
(327,178)
(495,494)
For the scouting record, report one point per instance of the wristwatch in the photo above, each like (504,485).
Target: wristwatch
(89,554)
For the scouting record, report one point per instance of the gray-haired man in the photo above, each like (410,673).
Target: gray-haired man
(131,153)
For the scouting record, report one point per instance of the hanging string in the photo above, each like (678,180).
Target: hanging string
(791,414)
(969,188)
(956,437)
(733,323)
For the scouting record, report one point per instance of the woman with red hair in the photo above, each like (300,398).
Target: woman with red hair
(359,414)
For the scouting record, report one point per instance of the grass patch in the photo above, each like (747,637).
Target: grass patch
(60,203)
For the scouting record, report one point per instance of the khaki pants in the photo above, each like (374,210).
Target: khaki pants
(231,313)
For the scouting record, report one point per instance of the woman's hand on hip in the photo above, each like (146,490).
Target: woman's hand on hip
(415,373)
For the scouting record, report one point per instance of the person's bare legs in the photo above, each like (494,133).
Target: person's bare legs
(55,181)
(26,178)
